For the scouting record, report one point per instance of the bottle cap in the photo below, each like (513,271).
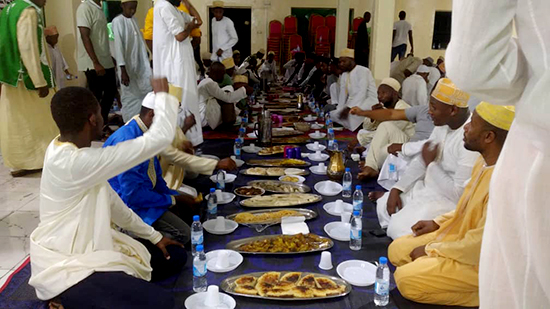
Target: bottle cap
(330,130)
(196,218)
(212,190)
(237,140)
(347,169)
(242,129)
(383,260)
(200,248)
(358,187)
(356,213)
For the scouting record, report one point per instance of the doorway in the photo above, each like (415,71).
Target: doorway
(242,19)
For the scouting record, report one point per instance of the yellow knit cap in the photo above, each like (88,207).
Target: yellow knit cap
(347,52)
(446,92)
(240,79)
(497,115)
(228,63)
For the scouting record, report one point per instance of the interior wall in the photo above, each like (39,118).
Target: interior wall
(421,15)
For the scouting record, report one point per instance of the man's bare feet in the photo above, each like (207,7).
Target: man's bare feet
(22,173)
(55,305)
(366,173)
(375,195)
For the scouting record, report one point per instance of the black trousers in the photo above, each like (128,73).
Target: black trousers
(104,89)
(198,60)
(122,291)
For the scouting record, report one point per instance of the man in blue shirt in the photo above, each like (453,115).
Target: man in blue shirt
(144,190)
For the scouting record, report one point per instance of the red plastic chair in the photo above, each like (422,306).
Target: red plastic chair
(291,25)
(330,22)
(322,35)
(315,21)
(295,43)
(275,29)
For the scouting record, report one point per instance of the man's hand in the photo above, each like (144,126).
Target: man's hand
(429,154)
(394,148)
(219,52)
(125,79)
(159,84)
(226,164)
(165,242)
(418,252)
(377,106)
(356,111)
(43,91)
(345,113)
(394,201)
(188,123)
(424,227)
(185,199)
(187,146)
(99,69)
(191,26)
(249,89)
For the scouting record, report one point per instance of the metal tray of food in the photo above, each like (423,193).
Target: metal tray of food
(275,186)
(274,173)
(314,243)
(274,150)
(261,225)
(278,162)
(281,200)
(229,285)
(248,189)
(291,140)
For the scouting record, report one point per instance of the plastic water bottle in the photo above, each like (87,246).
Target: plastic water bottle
(346,183)
(245,118)
(199,271)
(220,180)
(196,234)
(317,110)
(331,140)
(358,200)
(242,131)
(382,284)
(252,99)
(212,205)
(393,173)
(328,121)
(237,148)
(355,232)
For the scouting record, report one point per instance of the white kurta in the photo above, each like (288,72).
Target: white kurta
(433,78)
(290,67)
(430,191)
(131,52)
(269,71)
(209,89)
(176,61)
(415,90)
(495,67)
(357,88)
(224,37)
(77,207)
(59,65)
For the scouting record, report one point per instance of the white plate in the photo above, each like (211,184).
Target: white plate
(311,147)
(357,272)
(328,188)
(227,198)
(310,118)
(329,207)
(235,259)
(320,158)
(316,126)
(300,179)
(196,301)
(229,178)
(252,135)
(338,230)
(210,157)
(293,171)
(318,170)
(249,149)
(315,136)
(230,227)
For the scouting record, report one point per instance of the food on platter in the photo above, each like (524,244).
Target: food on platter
(271,171)
(287,243)
(275,171)
(250,218)
(278,162)
(295,171)
(249,191)
(279,186)
(290,179)
(274,150)
(281,200)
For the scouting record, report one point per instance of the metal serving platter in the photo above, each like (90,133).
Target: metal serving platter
(291,140)
(245,172)
(258,183)
(273,163)
(235,244)
(279,151)
(317,198)
(228,285)
(247,196)
(307,213)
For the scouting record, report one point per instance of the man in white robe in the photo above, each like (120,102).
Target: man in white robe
(486,59)
(132,60)
(60,68)
(294,68)
(173,57)
(76,242)
(357,89)
(224,35)
(415,87)
(434,180)
(268,70)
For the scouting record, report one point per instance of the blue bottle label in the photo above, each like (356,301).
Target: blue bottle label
(381,288)
(199,272)
(357,205)
(356,235)
(237,152)
(196,239)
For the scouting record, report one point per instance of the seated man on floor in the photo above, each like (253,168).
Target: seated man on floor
(357,88)
(438,264)
(78,258)
(217,106)
(269,70)
(229,65)
(381,135)
(294,68)
(435,179)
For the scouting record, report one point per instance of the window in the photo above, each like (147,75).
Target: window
(442,30)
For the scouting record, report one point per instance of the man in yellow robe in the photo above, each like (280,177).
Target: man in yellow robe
(439,262)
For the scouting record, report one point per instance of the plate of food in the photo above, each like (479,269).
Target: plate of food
(278,162)
(275,186)
(291,140)
(264,171)
(269,216)
(292,179)
(249,191)
(286,285)
(281,200)
(281,244)
(279,149)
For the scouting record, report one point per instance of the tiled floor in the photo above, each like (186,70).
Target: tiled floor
(18,218)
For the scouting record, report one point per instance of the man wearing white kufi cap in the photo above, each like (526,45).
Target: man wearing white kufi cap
(224,35)
(435,179)
(415,88)
(357,89)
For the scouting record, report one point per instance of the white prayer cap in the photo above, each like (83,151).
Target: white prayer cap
(423,69)
(149,100)
(392,82)
(430,60)
(124,1)
(218,4)
(347,52)
(262,51)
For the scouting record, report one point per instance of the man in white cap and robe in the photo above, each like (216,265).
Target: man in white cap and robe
(415,88)
(224,35)
(357,89)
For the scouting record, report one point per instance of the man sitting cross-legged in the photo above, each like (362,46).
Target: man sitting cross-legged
(78,258)
(439,263)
